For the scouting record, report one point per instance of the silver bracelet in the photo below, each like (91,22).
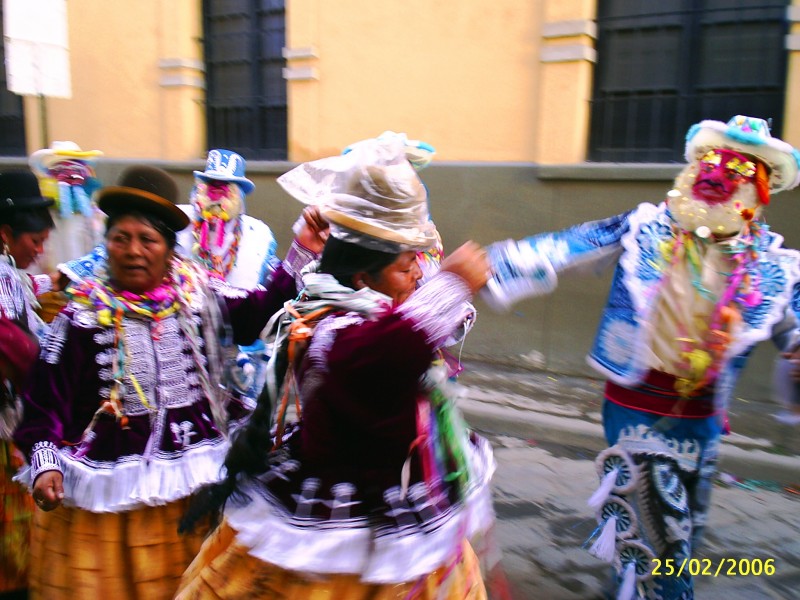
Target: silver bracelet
(44,457)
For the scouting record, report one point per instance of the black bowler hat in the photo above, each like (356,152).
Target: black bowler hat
(146,189)
(19,190)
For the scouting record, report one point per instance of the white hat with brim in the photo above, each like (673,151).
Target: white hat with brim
(41,160)
(749,136)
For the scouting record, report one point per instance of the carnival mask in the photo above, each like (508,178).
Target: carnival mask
(71,172)
(76,182)
(720,174)
(715,196)
(217,200)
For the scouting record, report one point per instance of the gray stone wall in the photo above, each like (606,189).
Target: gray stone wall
(489,202)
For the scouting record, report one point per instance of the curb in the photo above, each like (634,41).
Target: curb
(745,463)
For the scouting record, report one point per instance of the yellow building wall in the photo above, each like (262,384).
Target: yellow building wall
(791,127)
(137,81)
(568,58)
(501,81)
(462,76)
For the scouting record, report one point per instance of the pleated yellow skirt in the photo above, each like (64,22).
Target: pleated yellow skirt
(16,508)
(135,555)
(225,571)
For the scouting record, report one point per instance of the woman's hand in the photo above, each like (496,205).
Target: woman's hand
(59,281)
(470,263)
(48,490)
(313,231)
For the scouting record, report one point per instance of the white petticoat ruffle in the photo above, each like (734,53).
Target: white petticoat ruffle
(382,556)
(133,482)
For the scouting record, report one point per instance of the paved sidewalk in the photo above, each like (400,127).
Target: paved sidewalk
(546,431)
(567,409)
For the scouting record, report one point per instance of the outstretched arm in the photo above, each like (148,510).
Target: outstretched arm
(530,267)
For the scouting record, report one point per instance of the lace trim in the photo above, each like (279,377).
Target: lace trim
(297,257)
(439,307)
(44,457)
(132,482)
(388,555)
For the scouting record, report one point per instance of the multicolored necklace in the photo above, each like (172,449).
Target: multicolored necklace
(111,305)
(704,357)
(216,264)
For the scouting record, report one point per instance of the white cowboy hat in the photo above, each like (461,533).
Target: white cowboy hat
(41,160)
(750,136)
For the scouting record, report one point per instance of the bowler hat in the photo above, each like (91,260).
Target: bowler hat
(145,189)
(19,190)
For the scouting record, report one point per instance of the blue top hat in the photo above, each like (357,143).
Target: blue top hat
(226,165)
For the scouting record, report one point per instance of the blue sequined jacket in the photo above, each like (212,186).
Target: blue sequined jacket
(632,241)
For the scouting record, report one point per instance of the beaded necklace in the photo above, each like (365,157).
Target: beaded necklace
(174,295)
(217,265)
(704,357)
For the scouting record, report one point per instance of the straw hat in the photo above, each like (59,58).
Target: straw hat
(371,196)
(41,160)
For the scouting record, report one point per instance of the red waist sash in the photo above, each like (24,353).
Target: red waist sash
(657,395)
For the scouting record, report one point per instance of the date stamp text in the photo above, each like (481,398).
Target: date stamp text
(723,567)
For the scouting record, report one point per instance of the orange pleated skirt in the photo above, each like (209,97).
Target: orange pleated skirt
(16,508)
(135,555)
(225,571)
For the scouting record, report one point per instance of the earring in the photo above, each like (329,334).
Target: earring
(6,249)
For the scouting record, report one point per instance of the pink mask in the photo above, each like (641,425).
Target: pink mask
(72,172)
(217,192)
(719,175)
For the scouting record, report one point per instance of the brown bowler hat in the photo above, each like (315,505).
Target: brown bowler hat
(145,189)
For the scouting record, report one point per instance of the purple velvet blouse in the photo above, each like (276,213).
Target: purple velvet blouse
(171,444)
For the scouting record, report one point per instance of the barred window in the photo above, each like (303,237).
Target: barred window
(245,89)
(662,66)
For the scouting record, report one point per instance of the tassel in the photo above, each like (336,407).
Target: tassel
(64,200)
(606,485)
(603,548)
(220,233)
(424,430)
(627,587)
(762,183)
(82,201)
(85,444)
(204,235)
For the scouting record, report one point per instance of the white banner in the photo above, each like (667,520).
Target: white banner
(37,47)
